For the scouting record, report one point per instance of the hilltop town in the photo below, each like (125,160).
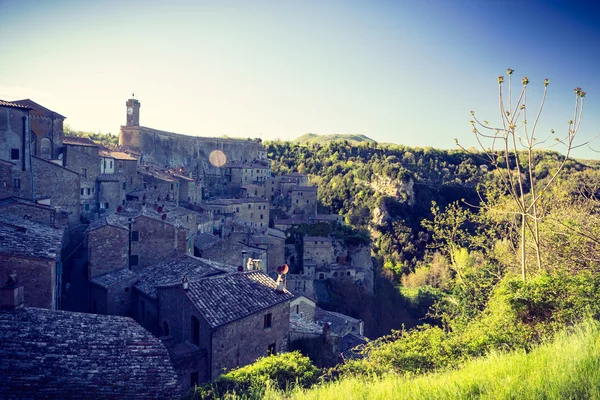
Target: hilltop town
(181,256)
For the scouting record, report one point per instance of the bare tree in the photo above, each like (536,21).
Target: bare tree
(511,145)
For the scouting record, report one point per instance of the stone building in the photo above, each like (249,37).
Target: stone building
(159,185)
(252,190)
(253,212)
(247,173)
(303,201)
(59,354)
(46,130)
(34,212)
(135,239)
(33,251)
(234,318)
(319,249)
(229,251)
(204,156)
(81,155)
(6,179)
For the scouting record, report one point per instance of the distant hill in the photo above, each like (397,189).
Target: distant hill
(314,138)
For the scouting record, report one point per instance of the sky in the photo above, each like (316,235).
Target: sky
(406,72)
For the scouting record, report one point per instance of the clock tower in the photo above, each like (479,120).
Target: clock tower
(133,112)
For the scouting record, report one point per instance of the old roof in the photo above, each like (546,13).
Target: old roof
(117,155)
(78,141)
(205,240)
(38,109)
(121,220)
(300,324)
(60,354)
(4,103)
(338,322)
(21,237)
(349,345)
(172,271)
(110,178)
(113,277)
(224,299)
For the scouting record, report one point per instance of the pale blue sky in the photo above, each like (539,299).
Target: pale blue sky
(399,71)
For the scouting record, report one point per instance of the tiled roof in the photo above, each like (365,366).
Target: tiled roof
(38,109)
(349,344)
(4,103)
(172,271)
(117,155)
(59,354)
(110,177)
(302,325)
(339,324)
(224,299)
(110,278)
(78,141)
(205,240)
(25,238)
(121,219)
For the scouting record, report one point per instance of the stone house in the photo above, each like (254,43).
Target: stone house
(135,239)
(251,190)
(159,185)
(303,306)
(303,200)
(34,212)
(33,251)
(59,354)
(319,249)
(253,212)
(190,191)
(234,318)
(244,173)
(229,251)
(81,155)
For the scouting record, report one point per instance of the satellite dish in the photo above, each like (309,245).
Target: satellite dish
(159,209)
(240,268)
(163,217)
(119,209)
(284,269)
(60,156)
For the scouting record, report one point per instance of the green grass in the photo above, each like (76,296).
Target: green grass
(566,368)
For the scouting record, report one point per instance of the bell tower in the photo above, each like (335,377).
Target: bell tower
(133,112)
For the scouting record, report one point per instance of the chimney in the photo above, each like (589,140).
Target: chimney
(11,294)
(186,282)
(280,284)
(244,258)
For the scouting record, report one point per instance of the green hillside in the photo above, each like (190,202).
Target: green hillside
(323,139)
(567,368)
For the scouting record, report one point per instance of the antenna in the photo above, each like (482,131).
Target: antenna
(133,95)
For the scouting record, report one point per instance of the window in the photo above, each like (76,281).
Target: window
(321,276)
(195,331)
(82,190)
(237,209)
(16,183)
(133,260)
(348,273)
(271,350)
(105,164)
(111,164)
(297,309)
(194,379)
(124,185)
(135,236)
(171,186)
(84,172)
(268,321)
(120,164)
(306,201)
(86,207)
(249,206)
(14,154)
(89,191)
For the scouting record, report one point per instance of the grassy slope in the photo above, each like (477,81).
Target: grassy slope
(323,139)
(568,368)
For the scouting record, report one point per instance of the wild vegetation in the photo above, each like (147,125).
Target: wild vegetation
(496,251)
(105,139)
(322,139)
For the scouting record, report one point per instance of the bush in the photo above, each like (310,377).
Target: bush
(281,371)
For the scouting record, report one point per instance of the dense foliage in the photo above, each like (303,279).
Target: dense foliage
(105,139)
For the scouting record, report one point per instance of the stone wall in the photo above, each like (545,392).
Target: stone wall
(110,192)
(107,250)
(37,275)
(15,143)
(59,184)
(158,241)
(32,212)
(6,179)
(191,152)
(303,308)
(242,342)
(118,299)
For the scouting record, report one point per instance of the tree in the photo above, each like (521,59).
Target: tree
(511,148)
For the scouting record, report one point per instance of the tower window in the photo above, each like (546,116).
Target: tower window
(268,320)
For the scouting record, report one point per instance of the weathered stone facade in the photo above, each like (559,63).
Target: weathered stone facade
(46,128)
(107,249)
(6,179)
(319,249)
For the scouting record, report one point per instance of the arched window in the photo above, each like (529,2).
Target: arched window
(34,144)
(46,148)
